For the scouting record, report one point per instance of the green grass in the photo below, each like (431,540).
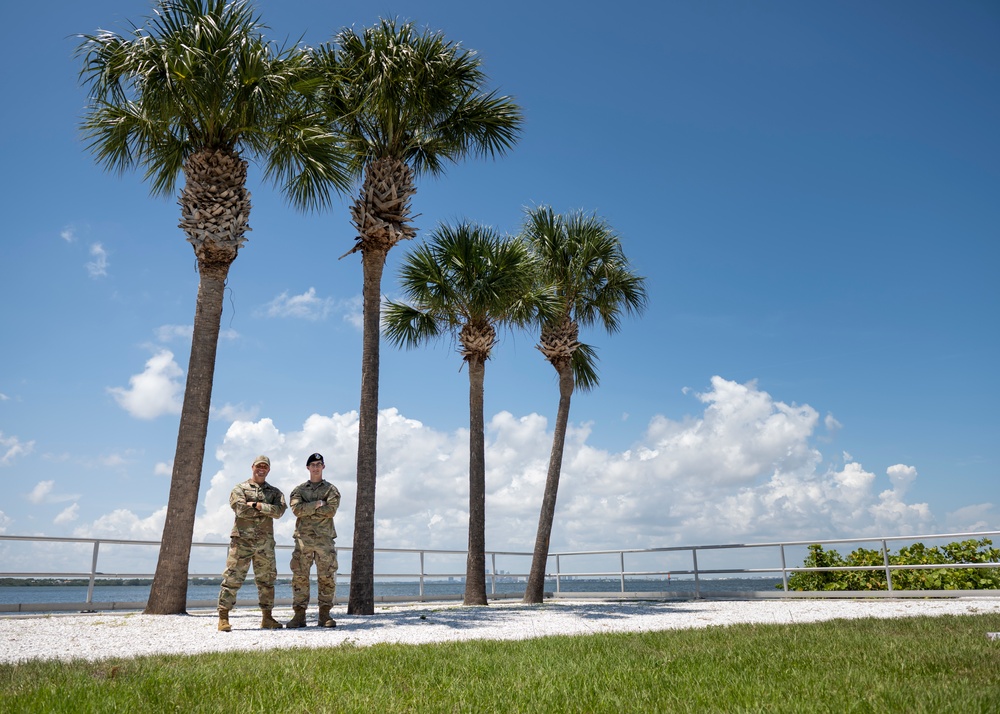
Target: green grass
(912,665)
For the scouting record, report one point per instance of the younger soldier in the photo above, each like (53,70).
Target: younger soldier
(257,505)
(314,504)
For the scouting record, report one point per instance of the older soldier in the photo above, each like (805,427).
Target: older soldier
(314,504)
(257,504)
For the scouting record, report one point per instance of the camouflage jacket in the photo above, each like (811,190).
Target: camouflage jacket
(251,523)
(312,521)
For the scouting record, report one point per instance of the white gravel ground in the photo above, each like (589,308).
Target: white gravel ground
(103,636)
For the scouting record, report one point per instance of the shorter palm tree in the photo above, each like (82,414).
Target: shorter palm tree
(580,256)
(468,281)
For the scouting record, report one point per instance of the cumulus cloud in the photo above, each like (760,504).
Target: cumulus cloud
(157,390)
(743,467)
(163,469)
(98,267)
(122,523)
(68,234)
(901,477)
(12,447)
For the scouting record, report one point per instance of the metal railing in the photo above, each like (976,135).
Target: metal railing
(701,577)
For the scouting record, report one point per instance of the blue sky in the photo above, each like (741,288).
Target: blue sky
(810,189)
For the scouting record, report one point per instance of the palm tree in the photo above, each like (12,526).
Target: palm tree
(466,282)
(581,257)
(407,103)
(194,90)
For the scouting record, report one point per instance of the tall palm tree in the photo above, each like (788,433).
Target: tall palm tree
(407,104)
(581,257)
(193,91)
(466,282)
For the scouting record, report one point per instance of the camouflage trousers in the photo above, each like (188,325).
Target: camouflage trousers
(326,574)
(241,553)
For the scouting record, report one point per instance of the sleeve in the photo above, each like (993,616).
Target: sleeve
(296,503)
(332,501)
(275,505)
(238,502)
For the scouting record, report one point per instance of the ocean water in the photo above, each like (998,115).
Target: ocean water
(432,589)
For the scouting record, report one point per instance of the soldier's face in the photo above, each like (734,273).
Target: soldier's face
(316,470)
(260,473)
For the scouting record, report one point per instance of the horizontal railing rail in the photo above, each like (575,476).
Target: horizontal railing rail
(422,574)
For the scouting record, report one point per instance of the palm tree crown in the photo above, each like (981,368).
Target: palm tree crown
(415,97)
(465,279)
(200,76)
(581,257)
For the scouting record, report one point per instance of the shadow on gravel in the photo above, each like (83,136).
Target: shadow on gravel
(477,617)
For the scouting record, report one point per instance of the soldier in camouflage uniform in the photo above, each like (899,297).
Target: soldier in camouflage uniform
(257,505)
(314,504)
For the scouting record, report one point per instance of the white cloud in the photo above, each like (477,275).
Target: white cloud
(68,515)
(235,412)
(744,469)
(169,333)
(68,234)
(353,311)
(12,447)
(306,306)
(122,523)
(3,397)
(44,492)
(4,522)
(155,391)
(98,267)
(901,476)
(978,517)
(162,468)
(41,490)
(182,333)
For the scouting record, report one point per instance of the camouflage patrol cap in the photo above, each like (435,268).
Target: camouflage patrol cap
(314,458)
(262,460)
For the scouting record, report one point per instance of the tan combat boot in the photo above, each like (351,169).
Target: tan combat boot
(267,622)
(324,617)
(224,625)
(299,620)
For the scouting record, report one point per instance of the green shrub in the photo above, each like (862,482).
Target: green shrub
(963,552)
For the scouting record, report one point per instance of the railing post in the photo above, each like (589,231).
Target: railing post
(885,560)
(621,562)
(697,580)
(558,570)
(421,575)
(493,577)
(93,573)
(784,568)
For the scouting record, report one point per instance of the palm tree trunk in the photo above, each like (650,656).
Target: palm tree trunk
(475,568)
(362,595)
(534,588)
(168,594)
